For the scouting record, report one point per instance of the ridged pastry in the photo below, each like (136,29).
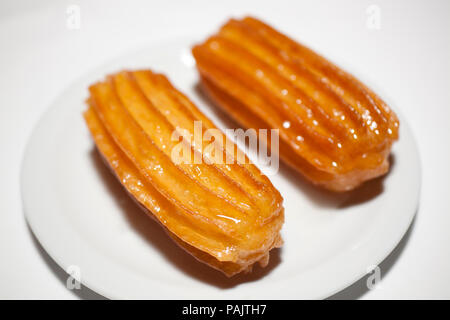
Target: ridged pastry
(226,215)
(332,128)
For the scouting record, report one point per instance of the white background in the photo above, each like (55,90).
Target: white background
(408,57)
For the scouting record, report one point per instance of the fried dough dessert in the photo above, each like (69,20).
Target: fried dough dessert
(332,128)
(227,215)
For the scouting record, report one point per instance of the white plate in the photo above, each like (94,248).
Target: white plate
(83,217)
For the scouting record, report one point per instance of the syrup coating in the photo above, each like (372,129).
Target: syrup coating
(332,128)
(226,215)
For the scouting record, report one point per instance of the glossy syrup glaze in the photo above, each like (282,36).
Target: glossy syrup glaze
(226,215)
(332,128)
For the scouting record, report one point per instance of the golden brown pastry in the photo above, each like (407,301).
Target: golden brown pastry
(332,128)
(226,215)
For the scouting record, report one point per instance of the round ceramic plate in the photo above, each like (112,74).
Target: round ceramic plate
(85,220)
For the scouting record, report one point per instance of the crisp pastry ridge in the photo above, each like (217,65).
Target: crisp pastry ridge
(333,129)
(228,216)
